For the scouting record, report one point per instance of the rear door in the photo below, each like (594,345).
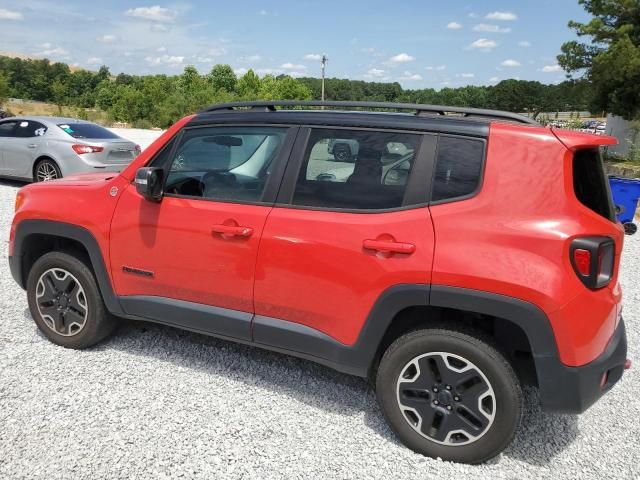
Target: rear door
(341,234)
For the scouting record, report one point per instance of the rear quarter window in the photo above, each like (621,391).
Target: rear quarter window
(458,169)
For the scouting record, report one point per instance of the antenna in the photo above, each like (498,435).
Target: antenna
(323,63)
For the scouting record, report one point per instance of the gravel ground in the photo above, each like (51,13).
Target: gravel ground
(154,402)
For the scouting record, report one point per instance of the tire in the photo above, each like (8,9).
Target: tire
(342,152)
(65,302)
(45,170)
(466,425)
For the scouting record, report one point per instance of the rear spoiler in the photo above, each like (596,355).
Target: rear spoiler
(579,140)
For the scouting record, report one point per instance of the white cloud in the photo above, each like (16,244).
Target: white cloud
(504,16)
(438,68)
(10,15)
(551,68)
(313,56)
(485,27)
(107,38)
(472,15)
(511,63)
(155,13)
(263,12)
(454,26)
(401,58)
(411,76)
(524,43)
(483,44)
(240,71)
(374,73)
(467,75)
(94,61)
(158,27)
(169,60)
(49,49)
(494,79)
(250,59)
(292,66)
(161,49)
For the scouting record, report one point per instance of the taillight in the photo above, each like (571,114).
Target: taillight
(593,260)
(82,149)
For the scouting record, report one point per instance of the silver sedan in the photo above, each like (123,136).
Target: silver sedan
(45,148)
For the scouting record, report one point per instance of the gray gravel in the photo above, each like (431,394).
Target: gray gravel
(154,402)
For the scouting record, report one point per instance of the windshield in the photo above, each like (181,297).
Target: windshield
(86,130)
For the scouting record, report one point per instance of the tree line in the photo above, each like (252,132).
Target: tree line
(159,100)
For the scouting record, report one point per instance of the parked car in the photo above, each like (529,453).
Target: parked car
(46,148)
(471,273)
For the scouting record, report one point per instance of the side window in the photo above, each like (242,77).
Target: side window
(224,163)
(28,129)
(458,167)
(355,169)
(6,129)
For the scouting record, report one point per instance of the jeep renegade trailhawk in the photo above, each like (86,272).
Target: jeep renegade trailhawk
(452,256)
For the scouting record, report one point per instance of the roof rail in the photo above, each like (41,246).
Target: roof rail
(419,109)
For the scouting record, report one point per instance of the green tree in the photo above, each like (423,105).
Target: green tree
(222,77)
(611,59)
(60,94)
(4,89)
(249,85)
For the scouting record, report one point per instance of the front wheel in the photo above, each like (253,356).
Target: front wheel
(46,170)
(65,301)
(449,394)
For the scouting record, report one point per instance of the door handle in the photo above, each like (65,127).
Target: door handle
(389,247)
(32,145)
(233,230)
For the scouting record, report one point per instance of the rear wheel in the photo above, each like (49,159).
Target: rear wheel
(45,170)
(65,302)
(448,394)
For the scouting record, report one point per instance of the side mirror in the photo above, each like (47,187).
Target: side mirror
(149,182)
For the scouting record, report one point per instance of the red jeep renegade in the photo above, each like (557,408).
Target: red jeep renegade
(453,256)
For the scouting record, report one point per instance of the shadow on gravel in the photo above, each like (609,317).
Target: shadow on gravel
(7,182)
(540,437)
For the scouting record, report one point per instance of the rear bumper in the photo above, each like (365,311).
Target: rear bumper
(566,389)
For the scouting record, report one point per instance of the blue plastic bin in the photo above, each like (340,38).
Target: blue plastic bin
(626,192)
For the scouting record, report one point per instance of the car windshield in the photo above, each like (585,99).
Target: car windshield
(86,130)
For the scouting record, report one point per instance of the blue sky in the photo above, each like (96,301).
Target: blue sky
(417,43)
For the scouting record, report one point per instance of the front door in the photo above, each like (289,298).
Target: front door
(7,128)
(343,231)
(190,258)
(23,147)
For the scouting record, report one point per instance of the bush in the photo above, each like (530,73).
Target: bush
(142,123)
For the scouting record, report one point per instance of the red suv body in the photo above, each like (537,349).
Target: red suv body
(481,223)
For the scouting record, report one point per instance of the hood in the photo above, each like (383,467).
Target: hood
(84,178)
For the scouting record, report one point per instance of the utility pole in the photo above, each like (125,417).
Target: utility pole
(324,65)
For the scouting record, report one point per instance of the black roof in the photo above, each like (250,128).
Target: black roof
(436,118)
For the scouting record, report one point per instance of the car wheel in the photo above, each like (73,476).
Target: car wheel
(342,153)
(450,395)
(65,302)
(46,170)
